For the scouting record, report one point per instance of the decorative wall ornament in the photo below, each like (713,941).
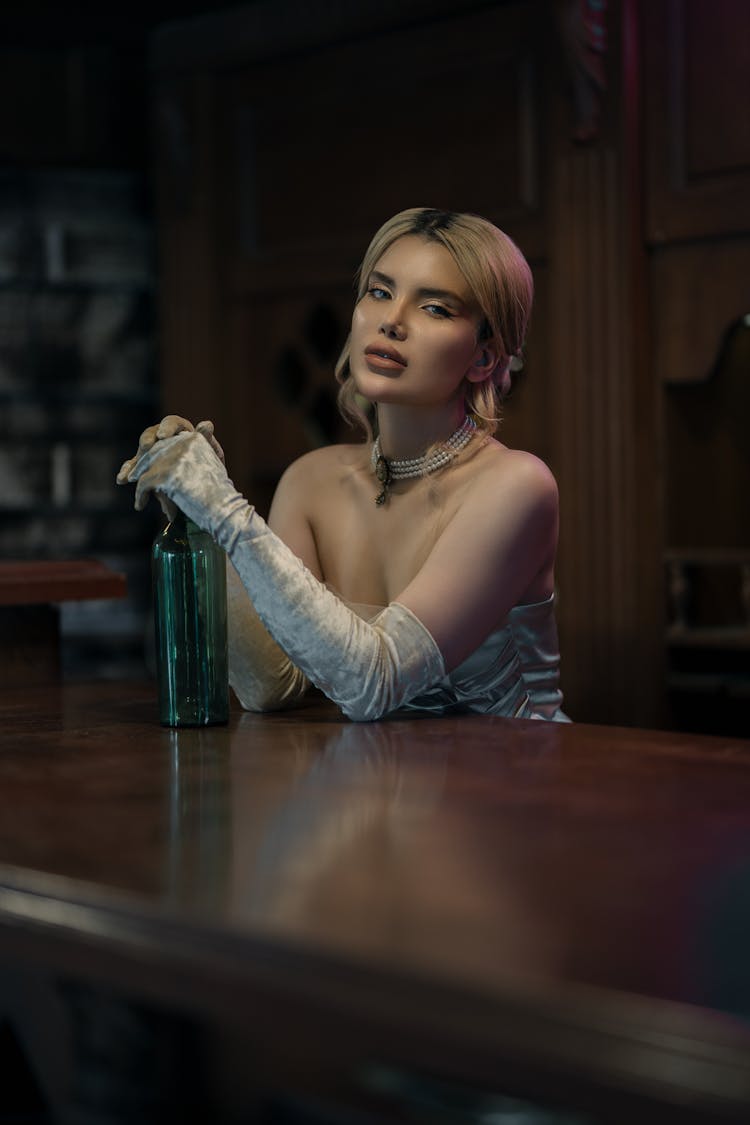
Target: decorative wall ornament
(303,374)
(583,32)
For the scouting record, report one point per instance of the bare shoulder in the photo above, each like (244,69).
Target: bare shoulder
(507,473)
(321,465)
(306,484)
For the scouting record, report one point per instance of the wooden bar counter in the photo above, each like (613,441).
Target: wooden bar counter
(298,919)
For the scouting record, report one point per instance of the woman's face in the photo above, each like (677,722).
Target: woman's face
(414,332)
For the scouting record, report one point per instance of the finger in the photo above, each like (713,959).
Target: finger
(207,429)
(125,469)
(146,440)
(168,507)
(172,424)
(143,490)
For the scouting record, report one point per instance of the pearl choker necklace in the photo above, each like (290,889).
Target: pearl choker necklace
(387,471)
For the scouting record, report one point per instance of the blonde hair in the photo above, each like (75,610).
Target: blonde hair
(500,281)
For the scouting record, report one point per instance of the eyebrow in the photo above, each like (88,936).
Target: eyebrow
(423,291)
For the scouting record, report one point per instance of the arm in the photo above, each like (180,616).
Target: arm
(260,673)
(498,548)
(498,551)
(367,668)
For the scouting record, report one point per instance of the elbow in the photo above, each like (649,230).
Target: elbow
(263,697)
(252,700)
(366,709)
(363,715)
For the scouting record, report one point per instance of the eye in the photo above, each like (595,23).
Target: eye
(378,293)
(438,310)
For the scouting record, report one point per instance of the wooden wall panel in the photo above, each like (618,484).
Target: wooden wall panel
(604,442)
(696,93)
(707,458)
(698,290)
(322,150)
(697,123)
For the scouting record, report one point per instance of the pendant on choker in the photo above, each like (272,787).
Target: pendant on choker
(387,471)
(383,474)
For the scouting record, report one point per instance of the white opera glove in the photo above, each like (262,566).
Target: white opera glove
(368,669)
(260,673)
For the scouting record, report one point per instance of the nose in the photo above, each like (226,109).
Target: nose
(392,326)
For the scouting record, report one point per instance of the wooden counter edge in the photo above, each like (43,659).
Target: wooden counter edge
(48,581)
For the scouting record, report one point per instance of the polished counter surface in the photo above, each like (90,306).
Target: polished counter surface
(515,905)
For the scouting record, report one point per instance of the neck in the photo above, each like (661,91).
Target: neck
(408,432)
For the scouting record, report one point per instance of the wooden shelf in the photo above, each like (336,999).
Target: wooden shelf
(709,636)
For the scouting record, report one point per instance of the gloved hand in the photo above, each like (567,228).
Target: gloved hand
(170,425)
(261,674)
(369,669)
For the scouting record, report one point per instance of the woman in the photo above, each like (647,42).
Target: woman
(416,570)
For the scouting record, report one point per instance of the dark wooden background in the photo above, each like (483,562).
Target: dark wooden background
(281,135)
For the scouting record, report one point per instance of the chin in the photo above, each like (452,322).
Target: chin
(375,388)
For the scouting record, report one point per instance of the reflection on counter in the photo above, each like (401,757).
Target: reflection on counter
(360,783)
(362,836)
(199,851)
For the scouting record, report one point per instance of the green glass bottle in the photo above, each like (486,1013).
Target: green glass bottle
(190,611)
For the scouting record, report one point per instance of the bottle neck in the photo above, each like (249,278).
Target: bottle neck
(182,523)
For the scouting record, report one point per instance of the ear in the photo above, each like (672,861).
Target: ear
(483,364)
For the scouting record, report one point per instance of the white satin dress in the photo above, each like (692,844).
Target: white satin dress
(515,672)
